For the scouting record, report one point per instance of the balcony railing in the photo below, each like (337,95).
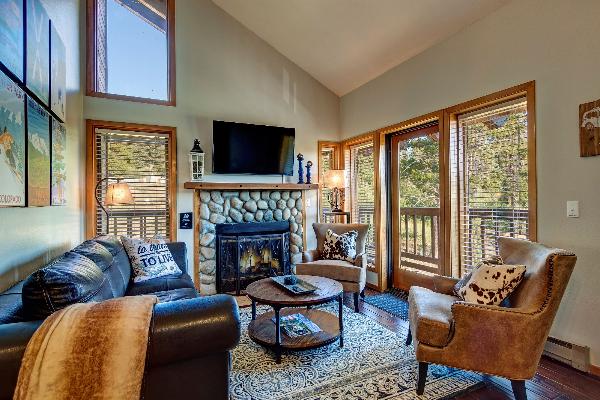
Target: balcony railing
(419,238)
(480,230)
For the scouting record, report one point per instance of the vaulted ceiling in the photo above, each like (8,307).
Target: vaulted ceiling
(346,43)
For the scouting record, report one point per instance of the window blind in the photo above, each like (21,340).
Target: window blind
(142,160)
(489,180)
(327,162)
(360,171)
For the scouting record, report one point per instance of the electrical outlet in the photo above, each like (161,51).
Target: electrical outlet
(308,203)
(573,209)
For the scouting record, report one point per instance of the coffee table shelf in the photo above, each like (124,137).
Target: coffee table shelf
(262,328)
(265,332)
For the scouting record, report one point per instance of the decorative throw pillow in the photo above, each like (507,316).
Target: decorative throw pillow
(494,260)
(150,258)
(490,284)
(340,247)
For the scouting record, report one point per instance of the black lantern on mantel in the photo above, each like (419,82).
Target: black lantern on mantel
(196,162)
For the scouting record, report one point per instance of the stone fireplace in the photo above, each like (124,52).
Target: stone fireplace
(217,205)
(249,252)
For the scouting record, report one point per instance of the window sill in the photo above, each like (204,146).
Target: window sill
(168,103)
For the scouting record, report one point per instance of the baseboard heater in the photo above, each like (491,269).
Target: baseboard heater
(575,355)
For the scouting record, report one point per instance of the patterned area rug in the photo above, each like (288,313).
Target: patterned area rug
(394,301)
(374,364)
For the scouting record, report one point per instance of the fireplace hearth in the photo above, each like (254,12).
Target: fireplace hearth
(247,252)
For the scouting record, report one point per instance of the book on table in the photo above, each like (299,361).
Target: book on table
(296,325)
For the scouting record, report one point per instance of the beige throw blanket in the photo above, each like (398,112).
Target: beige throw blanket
(88,351)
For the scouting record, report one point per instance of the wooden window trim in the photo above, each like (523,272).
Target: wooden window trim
(382,188)
(91,52)
(525,91)
(91,170)
(337,158)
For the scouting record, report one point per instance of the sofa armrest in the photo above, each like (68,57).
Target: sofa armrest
(188,329)
(310,255)
(444,284)
(13,341)
(179,252)
(361,260)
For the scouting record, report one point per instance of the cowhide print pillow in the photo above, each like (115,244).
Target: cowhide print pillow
(494,260)
(490,284)
(150,258)
(340,247)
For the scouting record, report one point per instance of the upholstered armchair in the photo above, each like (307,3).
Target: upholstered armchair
(352,275)
(504,341)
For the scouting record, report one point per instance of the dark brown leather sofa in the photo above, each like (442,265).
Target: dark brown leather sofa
(190,337)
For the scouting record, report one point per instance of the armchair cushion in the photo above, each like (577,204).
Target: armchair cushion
(430,315)
(491,284)
(340,247)
(333,269)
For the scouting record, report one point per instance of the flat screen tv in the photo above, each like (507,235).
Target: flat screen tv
(252,149)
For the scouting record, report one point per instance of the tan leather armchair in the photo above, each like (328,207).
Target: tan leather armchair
(352,276)
(503,341)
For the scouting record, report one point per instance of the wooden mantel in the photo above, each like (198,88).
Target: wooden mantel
(249,186)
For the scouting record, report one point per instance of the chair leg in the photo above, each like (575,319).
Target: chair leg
(362,294)
(356,302)
(519,390)
(409,337)
(423,367)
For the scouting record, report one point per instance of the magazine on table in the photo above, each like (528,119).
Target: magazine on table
(296,325)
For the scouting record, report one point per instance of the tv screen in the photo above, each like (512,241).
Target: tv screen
(252,149)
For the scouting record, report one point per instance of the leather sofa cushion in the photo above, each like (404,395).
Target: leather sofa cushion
(119,272)
(430,315)
(161,284)
(175,294)
(334,269)
(11,307)
(95,252)
(71,278)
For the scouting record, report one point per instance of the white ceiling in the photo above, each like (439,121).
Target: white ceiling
(346,43)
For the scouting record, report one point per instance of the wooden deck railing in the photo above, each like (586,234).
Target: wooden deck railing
(419,238)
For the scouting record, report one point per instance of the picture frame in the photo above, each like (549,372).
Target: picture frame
(12,36)
(12,144)
(589,129)
(38,155)
(58,156)
(37,74)
(58,74)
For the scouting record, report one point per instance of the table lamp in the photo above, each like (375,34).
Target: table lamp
(334,179)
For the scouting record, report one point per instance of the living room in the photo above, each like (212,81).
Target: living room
(391,107)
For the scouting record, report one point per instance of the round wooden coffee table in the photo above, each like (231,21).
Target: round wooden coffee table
(263,331)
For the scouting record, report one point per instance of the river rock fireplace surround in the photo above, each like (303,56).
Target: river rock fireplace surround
(222,204)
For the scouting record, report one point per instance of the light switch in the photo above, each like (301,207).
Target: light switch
(573,209)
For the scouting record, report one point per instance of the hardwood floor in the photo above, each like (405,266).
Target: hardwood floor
(553,380)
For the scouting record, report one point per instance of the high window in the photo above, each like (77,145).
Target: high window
(131,52)
(143,157)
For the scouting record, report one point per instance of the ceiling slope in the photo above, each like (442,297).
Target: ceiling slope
(346,43)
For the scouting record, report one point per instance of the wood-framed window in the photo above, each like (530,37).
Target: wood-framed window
(131,50)
(330,157)
(144,157)
(359,162)
(483,143)
(492,174)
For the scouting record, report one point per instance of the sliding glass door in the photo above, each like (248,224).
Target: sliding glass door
(416,204)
